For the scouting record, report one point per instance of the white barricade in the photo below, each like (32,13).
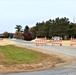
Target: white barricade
(40,41)
(57,42)
(73,42)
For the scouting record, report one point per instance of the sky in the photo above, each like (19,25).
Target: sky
(29,12)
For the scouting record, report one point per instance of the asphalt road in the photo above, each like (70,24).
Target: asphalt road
(61,49)
(68,70)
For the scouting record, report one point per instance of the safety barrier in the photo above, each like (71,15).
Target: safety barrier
(57,42)
(73,42)
(40,41)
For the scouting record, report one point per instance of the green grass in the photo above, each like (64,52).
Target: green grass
(16,55)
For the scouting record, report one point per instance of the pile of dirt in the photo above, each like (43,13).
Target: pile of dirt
(25,67)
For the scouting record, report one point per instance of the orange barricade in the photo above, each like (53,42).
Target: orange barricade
(40,41)
(57,42)
(73,42)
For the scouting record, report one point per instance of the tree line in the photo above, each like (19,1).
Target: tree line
(53,27)
(56,27)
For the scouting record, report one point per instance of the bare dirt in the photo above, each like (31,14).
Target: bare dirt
(57,60)
(6,42)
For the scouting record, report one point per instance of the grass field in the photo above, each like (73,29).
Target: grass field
(16,55)
(19,59)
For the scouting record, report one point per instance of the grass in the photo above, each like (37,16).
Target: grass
(16,55)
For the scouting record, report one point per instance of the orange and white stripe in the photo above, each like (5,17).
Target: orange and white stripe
(57,42)
(73,42)
(40,41)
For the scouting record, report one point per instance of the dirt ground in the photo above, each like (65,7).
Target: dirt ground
(6,42)
(46,64)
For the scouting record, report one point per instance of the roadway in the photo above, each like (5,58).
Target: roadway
(61,49)
(69,70)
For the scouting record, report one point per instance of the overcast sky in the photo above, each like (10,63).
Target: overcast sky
(29,12)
